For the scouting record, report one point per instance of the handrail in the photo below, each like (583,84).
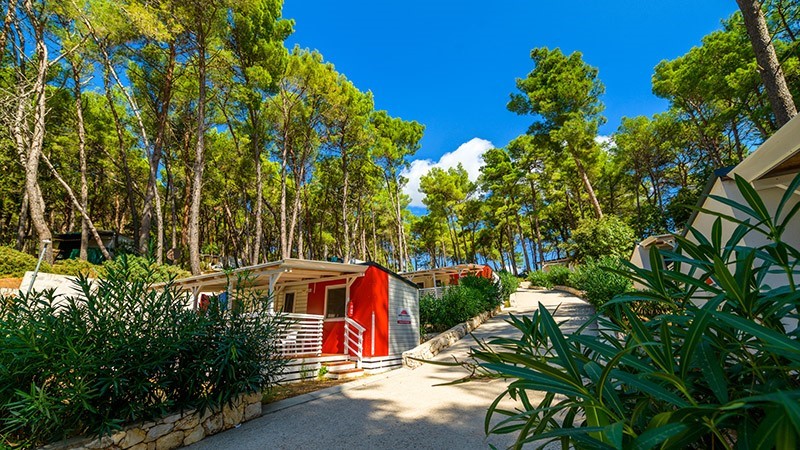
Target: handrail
(354,339)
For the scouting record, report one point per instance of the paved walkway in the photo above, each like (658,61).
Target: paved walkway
(399,409)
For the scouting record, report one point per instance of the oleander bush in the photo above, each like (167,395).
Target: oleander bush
(539,278)
(508,285)
(125,352)
(718,369)
(600,280)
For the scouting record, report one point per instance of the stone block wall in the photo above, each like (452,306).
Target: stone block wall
(176,430)
(432,347)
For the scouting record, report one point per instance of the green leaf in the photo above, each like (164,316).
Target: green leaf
(769,337)
(560,344)
(648,387)
(655,436)
(786,198)
(711,367)
(695,334)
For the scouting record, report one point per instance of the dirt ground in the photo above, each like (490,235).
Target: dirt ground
(10,283)
(294,389)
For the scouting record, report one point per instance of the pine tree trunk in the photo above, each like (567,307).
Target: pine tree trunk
(199,158)
(123,153)
(76,79)
(36,205)
(259,208)
(588,186)
(780,98)
(22,223)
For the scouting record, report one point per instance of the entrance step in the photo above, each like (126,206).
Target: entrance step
(345,374)
(339,366)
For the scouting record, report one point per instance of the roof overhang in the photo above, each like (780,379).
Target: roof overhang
(271,276)
(660,241)
(778,155)
(459,269)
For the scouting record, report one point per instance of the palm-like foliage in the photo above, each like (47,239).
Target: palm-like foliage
(718,370)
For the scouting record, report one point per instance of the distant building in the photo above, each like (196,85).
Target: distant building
(68,245)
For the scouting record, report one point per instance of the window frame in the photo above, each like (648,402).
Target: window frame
(346,301)
(294,299)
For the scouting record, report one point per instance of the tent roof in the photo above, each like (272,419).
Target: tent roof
(449,270)
(778,155)
(661,240)
(286,272)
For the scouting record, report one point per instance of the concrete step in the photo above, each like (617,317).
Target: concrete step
(345,374)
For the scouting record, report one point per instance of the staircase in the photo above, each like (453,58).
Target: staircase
(342,370)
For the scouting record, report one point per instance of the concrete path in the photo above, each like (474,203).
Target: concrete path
(401,409)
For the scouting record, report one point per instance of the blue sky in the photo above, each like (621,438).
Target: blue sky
(452,65)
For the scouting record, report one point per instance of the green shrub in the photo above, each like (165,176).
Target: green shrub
(721,372)
(508,285)
(599,280)
(540,279)
(559,275)
(140,266)
(14,264)
(429,313)
(75,267)
(459,303)
(596,238)
(125,353)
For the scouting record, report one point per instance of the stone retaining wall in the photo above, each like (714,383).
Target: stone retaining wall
(431,348)
(173,431)
(576,292)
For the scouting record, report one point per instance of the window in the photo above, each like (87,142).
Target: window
(420,285)
(335,303)
(288,302)
(439,283)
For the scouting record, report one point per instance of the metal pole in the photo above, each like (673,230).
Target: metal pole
(45,243)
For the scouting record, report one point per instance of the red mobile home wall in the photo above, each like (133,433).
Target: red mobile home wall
(367,294)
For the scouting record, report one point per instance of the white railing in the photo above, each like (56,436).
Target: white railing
(354,339)
(434,291)
(303,335)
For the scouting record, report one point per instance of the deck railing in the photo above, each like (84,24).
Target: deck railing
(354,339)
(434,291)
(303,335)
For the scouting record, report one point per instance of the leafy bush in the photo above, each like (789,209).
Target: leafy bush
(142,267)
(125,353)
(719,370)
(596,238)
(540,278)
(75,267)
(459,303)
(14,264)
(599,280)
(559,275)
(508,285)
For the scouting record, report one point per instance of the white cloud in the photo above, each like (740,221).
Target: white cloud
(604,141)
(469,154)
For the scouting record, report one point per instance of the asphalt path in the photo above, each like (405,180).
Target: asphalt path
(401,409)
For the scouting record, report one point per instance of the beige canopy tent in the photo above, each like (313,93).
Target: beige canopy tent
(770,170)
(427,278)
(272,277)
